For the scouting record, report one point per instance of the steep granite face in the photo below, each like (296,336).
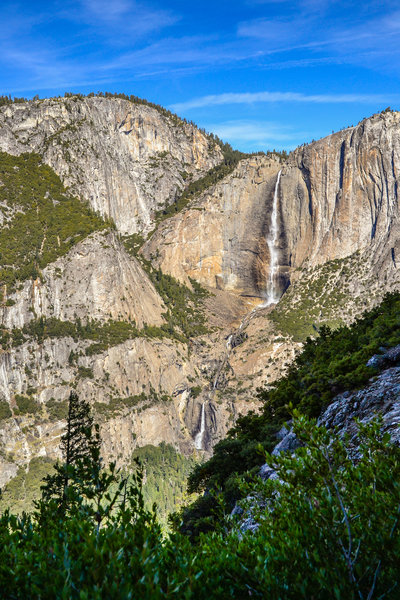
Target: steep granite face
(220,239)
(97,279)
(127,160)
(340,194)
(335,197)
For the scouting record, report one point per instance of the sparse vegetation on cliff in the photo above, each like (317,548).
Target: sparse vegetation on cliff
(41,220)
(184,316)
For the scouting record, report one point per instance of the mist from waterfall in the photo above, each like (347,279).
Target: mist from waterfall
(272,291)
(198,440)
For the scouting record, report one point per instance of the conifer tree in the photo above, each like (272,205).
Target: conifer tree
(80,446)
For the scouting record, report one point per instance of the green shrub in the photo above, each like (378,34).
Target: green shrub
(26,405)
(333,534)
(57,409)
(85,372)
(5,411)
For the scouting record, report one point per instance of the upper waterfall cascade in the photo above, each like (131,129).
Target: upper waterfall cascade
(272,291)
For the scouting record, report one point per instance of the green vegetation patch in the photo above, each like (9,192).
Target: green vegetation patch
(332,532)
(110,333)
(42,221)
(21,492)
(166,472)
(26,405)
(140,401)
(335,361)
(321,296)
(57,409)
(5,411)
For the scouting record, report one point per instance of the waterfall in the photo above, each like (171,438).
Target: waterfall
(198,440)
(272,242)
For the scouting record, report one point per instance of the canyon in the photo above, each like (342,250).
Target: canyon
(279,246)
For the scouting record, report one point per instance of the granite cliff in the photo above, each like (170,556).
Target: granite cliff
(103,317)
(126,159)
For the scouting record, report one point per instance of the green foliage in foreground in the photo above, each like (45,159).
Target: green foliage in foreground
(333,533)
(332,363)
(42,220)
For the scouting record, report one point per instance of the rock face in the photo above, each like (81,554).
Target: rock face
(381,397)
(343,192)
(127,160)
(336,200)
(336,197)
(220,240)
(82,286)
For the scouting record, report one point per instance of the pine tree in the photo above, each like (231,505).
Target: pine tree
(79,484)
(80,446)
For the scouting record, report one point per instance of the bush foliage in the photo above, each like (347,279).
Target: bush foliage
(328,530)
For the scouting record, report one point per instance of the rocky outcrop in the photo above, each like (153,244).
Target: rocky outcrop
(381,397)
(127,160)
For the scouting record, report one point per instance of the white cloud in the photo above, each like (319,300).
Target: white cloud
(257,97)
(251,131)
(123,18)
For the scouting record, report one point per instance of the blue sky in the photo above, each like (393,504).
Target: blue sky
(262,74)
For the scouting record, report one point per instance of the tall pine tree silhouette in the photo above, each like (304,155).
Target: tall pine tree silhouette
(80,446)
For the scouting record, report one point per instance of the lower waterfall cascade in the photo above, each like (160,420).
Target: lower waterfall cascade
(198,440)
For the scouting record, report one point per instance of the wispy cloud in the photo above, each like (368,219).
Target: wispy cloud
(258,134)
(250,131)
(256,97)
(120,19)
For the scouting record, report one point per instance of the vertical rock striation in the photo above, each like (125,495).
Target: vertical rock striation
(127,160)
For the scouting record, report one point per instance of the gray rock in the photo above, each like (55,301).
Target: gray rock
(391,357)
(381,396)
(267,472)
(284,430)
(288,444)
(377,361)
